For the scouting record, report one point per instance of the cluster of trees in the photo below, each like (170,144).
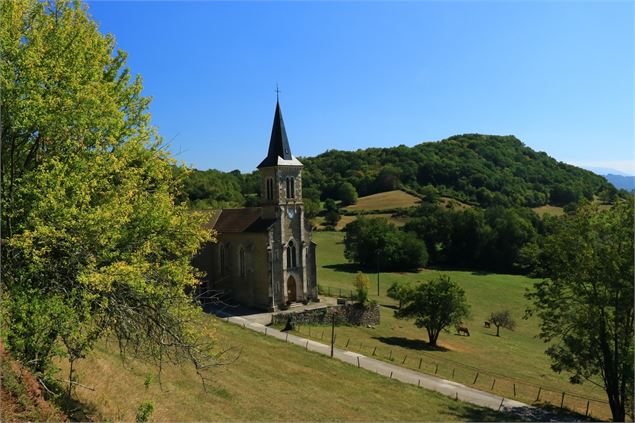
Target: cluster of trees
(488,239)
(485,170)
(94,240)
(376,242)
(213,189)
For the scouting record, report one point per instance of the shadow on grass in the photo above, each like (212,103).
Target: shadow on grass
(472,413)
(344,267)
(75,410)
(394,307)
(413,344)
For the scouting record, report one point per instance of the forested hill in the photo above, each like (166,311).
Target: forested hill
(479,169)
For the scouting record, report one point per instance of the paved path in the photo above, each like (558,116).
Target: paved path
(446,387)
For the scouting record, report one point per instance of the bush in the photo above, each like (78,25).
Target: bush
(144,411)
(361,285)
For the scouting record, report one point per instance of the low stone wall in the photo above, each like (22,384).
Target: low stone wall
(349,314)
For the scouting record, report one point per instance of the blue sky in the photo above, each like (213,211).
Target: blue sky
(558,75)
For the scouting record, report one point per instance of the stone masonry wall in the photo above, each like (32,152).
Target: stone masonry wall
(349,314)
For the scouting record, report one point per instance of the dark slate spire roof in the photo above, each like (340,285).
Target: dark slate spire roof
(279,143)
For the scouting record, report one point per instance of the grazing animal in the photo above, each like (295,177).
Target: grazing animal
(487,324)
(462,329)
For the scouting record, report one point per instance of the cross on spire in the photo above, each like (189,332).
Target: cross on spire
(277,92)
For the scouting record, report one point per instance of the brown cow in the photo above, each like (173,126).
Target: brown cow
(462,329)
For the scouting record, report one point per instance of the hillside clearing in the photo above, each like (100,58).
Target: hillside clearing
(515,354)
(385,200)
(270,381)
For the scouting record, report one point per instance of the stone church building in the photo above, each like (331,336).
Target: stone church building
(264,256)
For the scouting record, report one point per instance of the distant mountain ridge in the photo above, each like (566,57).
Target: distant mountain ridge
(621,182)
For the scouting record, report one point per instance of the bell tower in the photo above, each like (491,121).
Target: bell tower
(292,252)
(280,173)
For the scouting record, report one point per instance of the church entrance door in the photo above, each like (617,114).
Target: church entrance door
(291,290)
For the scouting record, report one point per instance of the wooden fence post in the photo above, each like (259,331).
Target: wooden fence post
(391,375)
(358,365)
(436,368)
(538,397)
(475,378)
(453,373)
(349,340)
(562,401)
(374,349)
(404,359)
(493,383)
(420,360)
(390,356)
(586,414)
(419,384)
(514,389)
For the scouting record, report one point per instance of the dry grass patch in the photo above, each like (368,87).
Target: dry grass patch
(271,381)
(552,210)
(385,200)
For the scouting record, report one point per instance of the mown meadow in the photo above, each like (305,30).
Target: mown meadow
(515,358)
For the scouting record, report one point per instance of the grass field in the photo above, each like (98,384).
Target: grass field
(552,210)
(270,381)
(514,357)
(385,200)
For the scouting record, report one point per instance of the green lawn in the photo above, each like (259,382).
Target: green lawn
(514,357)
(270,381)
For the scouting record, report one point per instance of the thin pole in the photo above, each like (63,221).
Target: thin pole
(332,334)
(378,273)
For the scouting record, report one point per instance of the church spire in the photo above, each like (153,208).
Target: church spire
(279,143)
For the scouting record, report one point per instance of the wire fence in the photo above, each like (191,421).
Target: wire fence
(485,380)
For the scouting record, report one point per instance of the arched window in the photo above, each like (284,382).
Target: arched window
(269,189)
(290,187)
(241,261)
(221,253)
(291,255)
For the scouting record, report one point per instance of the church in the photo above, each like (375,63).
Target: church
(263,256)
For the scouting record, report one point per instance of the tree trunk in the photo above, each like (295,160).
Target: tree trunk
(432,337)
(498,329)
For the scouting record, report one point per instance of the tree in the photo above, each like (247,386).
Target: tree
(435,306)
(586,306)
(361,285)
(399,291)
(94,240)
(502,319)
(347,194)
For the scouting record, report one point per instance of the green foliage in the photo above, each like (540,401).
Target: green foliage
(375,242)
(586,305)
(94,239)
(435,306)
(502,319)
(475,238)
(332,215)
(347,194)
(487,170)
(144,412)
(361,285)
(214,189)
(400,291)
